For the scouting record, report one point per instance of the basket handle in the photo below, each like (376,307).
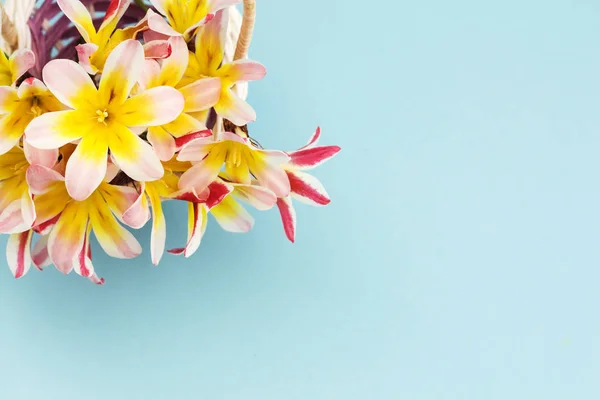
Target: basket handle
(247,30)
(9,33)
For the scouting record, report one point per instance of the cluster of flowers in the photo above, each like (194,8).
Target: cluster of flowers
(98,144)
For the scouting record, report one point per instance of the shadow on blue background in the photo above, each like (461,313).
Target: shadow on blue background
(458,260)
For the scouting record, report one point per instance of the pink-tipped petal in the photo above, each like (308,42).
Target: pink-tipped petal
(243,71)
(27,209)
(40,178)
(232,216)
(87,167)
(114,13)
(157,49)
(81,263)
(217,5)
(134,156)
(20,62)
(67,237)
(139,213)
(158,24)
(288,217)
(162,142)
(121,72)
(270,174)
(18,253)
(80,17)
(307,189)
(154,107)
(259,197)
(84,53)
(70,83)
(201,175)
(202,94)
(173,68)
(210,41)
(96,280)
(236,110)
(194,146)
(312,157)
(54,130)
(314,139)
(35,156)
(39,254)
(115,240)
(11,219)
(159,227)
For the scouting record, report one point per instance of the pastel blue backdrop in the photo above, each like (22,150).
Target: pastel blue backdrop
(458,260)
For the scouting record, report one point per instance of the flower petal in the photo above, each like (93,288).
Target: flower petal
(154,107)
(40,179)
(87,167)
(195,146)
(236,110)
(312,157)
(158,24)
(138,213)
(8,99)
(70,83)
(159,227)
(116,241)
(184,125)
(232,216)
(202,94)
(121,72)
(27,208)
(288,217)
(11,131)
(174,66)
(67,236)
(56,129)
(162,142)
(204,173)
(20,62)
(39,255)
(259,197)
(84,54)
(114,13)
(267,169)
(35,156)
(210,41)
(134,156)
(217,5)
(314,139)
(11,219)
(18,253)
(81,18)
(157,49)
(119,198)
(82,264)
(307,189)
(242,71)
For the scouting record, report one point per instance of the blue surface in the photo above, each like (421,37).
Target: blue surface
(458,260)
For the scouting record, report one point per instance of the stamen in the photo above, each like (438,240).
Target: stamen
(102,115)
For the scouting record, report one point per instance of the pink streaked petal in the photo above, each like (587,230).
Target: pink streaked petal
(81,263)
(9,99)
(114,13)
(200,175)
(87,167)
(139,213)
(84,53)
(119,198)
(96,280)
(199,216)
(121,72)
(208,18)
(27,209)
(194,146)
(67,237)
(242,71)
(158,24)
(312,157)
(154,107)
(20,62)
(173,68)
(134,156)
(260,198)
(162,142)
(18,253)
(80,16)
(236,110)
(218,190)
(157,49)
(39,254)
(40,178)
(288,217)
(55,129)
(269,173)
(191,196)
(35,156)
(70,83)
(202,94)
(150,36)
(159,227)
(232,216)
(210,41)
(11,219)
(31,87)
(307,189)
(45,227)
(233,137)
(314,139)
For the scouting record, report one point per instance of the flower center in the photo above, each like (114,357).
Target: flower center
(236,155)
(102,116)
(35,109)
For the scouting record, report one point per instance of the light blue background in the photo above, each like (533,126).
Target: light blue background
(458,260)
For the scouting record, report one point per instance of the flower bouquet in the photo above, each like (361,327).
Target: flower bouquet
(109,108)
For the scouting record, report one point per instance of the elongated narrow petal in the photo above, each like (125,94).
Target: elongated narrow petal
(20,62)
(154,107)
(8,99)
(259,197)
(35,156)
(121,72)
(159,227)
(232,216)
(312,157)
(204,173)
(39,255)
(87,167)
(202,94)
(116,241)
(160,5)
(81,18)
(11,130)
(210,41)
(139,213)
(84,54)
(314,139)
(184,125)
(11,219)
(268,171)
(307,189)
(175,65)
(55,129)
(149,77)
(159,25)
(218,190)
(27,208)
(67,237)
(95,279)
(242,71)
(18,253)
(236,110)
(70,83)
(119,198)
(134,156)
(81,263)
(195,146)
(288,217)
(113,15)
(41,178)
